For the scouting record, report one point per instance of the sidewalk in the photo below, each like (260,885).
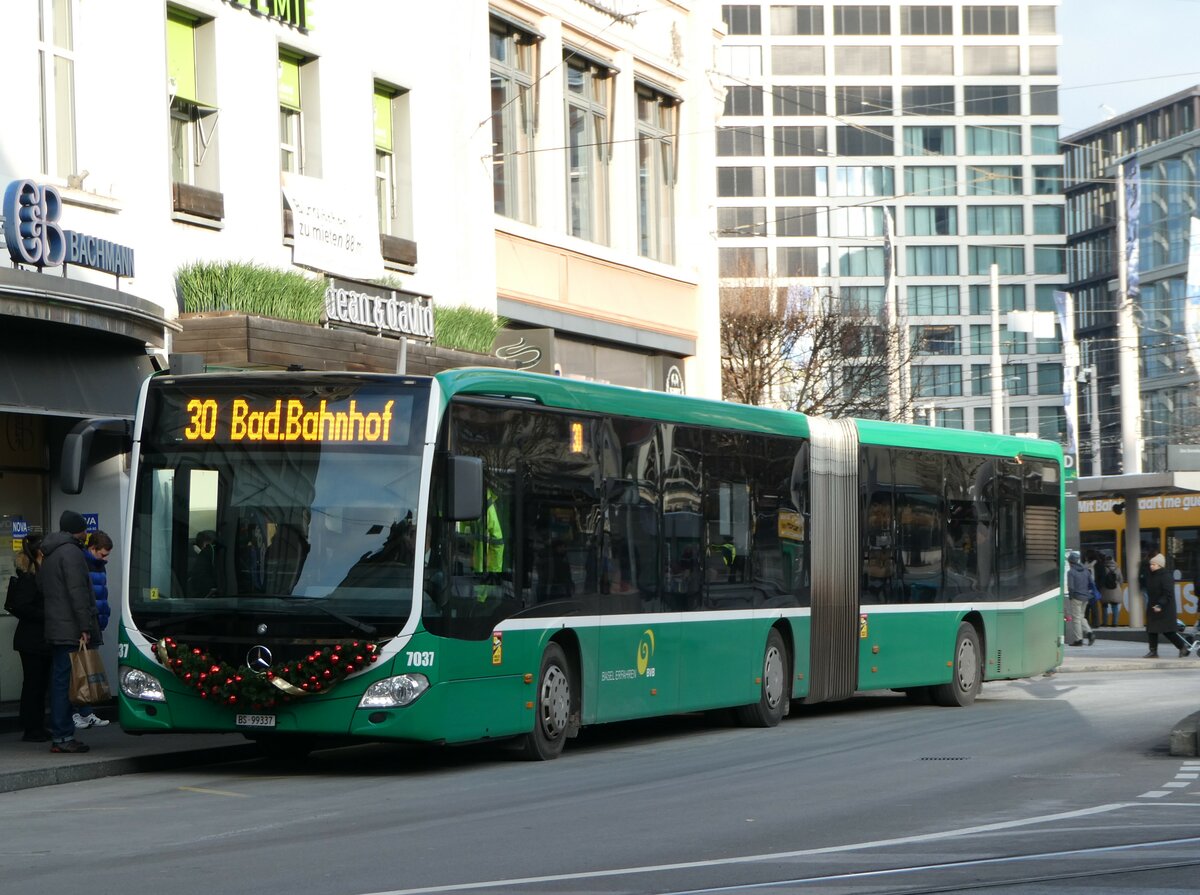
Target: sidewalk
(26,765)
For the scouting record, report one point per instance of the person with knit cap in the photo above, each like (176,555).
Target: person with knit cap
(71,616)
(99,546)
(1160,607)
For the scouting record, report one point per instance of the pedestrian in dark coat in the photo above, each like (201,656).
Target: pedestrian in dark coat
(1160,607)
(24,601)
(70,618)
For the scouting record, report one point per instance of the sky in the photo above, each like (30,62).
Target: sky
(1123,54)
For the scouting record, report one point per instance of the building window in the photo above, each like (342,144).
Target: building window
(991,61)
(741,62)
(1011,296)
(865,181)
(930,181)
(930,301)
(794,181)
(797,60)
(1041,20)
(1018,420)
(1016,379)
(997,99)
(1043,99)
(995,220)
(798,220)
(739,181)
(859,61)
(56,58)
(938,381)
(193,113)
(513,119)
(791,140)
(926,20)
(931,220)
(1043,60)
(941,339)
(928,100)
(657,131)
(990,20)
(787,20)
(994,180)
(1009,259)
(1052,424)
(1049,259)
(929,141)
(802,261)
(1001,140)
(858,221)
(982,417)
(866,300)
(742,18)
(1048,220)
(864,101)
(1047,180)
(856,20)
(589,147)
(932,261)
(738,141)
(1043,139)
(1049,379)
(927,60)
(798,100)
(741,99)
(866,140)
(742,221)
(296,128)
(743,263)
(387,100)
(860,261)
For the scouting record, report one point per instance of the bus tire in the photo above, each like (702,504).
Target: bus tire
(552,705)
(774,698)
(967,675)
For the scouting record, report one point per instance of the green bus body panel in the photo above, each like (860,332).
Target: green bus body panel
(636,666)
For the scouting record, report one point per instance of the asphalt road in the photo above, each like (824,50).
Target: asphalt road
(1051,784)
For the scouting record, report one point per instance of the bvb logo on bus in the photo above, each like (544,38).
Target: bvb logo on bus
(645,651)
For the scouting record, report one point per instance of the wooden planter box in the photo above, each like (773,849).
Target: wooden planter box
(231,339)
(195,201)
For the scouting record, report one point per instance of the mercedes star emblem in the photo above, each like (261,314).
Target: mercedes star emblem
(258,659)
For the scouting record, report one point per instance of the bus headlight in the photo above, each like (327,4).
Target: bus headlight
(136,684)
(394,692)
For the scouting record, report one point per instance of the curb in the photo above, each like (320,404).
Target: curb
(165,761)
(1185,740)
(1127,665)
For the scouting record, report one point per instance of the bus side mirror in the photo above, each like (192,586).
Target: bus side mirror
(77,449)
(465,477)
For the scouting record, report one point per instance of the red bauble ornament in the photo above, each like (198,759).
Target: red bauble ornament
(326,674)
(358,659)
(374,658)
(195,652)
(233,700)
(304,686)
(349,669)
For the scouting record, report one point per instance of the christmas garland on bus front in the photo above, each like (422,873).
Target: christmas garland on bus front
(218,681)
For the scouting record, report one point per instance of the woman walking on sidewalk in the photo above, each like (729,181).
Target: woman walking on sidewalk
(1160,610)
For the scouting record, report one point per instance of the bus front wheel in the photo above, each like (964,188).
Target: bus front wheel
(773,697)
(552,706)
(967,677)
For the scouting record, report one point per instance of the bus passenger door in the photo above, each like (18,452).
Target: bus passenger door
(639,624)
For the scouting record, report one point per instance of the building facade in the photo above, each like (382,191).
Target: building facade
(537,160)
(932,130)
(1163,139)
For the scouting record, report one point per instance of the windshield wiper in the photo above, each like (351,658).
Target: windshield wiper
(312,601)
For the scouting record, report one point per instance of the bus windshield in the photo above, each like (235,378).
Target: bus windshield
(287,511)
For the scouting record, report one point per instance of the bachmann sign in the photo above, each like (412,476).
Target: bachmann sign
(34,235)
(378,309)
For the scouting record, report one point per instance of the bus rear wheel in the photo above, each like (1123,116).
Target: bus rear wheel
(967,677)
(552,706)
(774,697)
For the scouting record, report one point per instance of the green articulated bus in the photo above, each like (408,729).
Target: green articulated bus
(494,555)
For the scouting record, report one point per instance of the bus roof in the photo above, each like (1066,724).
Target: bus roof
(575,394)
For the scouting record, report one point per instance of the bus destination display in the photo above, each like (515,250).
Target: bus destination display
(291,421)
